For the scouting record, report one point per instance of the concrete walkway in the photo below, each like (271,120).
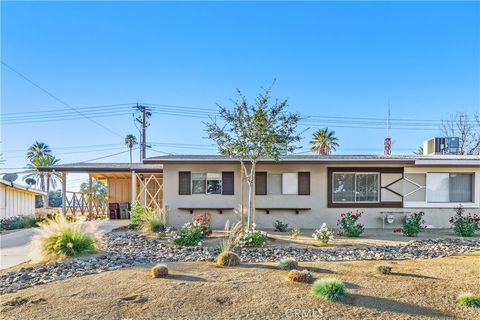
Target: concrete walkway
(14,245)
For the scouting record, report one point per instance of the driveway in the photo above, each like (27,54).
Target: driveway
(14,245)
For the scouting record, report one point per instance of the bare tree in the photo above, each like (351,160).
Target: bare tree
(459,125)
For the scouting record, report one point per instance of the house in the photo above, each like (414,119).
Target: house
(16,199)
(301,190)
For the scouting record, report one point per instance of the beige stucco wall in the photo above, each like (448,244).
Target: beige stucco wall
(14,202)
(317,200)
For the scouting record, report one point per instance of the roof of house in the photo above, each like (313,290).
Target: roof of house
(103,167)
(20,187)
(341,159)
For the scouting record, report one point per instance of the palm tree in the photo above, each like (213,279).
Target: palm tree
(130,141)
(324,141)
(38,149)
(44,179)
(419,152)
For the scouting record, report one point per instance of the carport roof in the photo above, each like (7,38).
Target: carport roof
(103,167)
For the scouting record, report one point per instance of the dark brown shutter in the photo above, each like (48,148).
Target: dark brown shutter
(304,183)
(184,182)
(227,182)
(260,183)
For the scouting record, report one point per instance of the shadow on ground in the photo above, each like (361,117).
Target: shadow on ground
(388,305)
(272,267)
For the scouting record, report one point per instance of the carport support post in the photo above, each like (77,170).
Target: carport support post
(134,187)
(90,197)
(64,193)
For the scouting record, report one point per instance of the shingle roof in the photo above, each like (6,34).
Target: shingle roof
(21,187)
(407,159)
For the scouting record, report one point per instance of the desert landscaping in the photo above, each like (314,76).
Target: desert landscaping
(420,289)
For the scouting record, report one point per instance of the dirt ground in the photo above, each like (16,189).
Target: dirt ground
(418,289)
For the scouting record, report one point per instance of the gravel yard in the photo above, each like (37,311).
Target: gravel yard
(127,249)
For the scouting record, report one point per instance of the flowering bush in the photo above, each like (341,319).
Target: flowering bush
(348,224)
(323,234)
(17,222)
(193,232)
(203,223)
(465,225)
(252,238)
(413,224)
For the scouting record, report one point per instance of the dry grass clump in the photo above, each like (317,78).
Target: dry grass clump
(159,271)
(228,259)
(383,268)
(57,238)
(300,276)
(287,264)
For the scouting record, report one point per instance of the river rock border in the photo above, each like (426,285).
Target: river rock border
(123,250)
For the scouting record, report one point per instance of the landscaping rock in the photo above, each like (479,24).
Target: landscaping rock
(123,250)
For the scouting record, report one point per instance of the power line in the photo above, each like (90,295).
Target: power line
(59,100)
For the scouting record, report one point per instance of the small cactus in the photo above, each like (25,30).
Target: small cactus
(228,259)
(300,276)
(384,269)
(159,271)
(287,264)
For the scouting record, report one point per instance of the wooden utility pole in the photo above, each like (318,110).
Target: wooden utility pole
(142,119)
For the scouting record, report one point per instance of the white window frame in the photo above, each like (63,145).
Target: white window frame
(281,184)
(355,173)
(206,182)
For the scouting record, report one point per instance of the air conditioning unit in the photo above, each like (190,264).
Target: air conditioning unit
(442,145)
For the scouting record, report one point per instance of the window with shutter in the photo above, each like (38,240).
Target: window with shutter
(304,183)
(228,183)
(184,182)
(260,183)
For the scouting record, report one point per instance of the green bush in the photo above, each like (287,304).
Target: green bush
(287,264)
(465,225)
(348,224)
(151,222)
(469,300)
(253,238)
(189,235)
(136,215)
(58,238)
(330,288)
(279,226)
(413,224)
(70,242)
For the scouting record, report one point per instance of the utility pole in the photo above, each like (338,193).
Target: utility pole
(143,120)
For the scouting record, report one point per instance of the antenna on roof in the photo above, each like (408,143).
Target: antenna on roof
(387,144)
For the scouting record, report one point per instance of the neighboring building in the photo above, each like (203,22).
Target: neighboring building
(16,199)
(303,191)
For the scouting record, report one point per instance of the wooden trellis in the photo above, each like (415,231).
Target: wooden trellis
(79,203)
(150,191)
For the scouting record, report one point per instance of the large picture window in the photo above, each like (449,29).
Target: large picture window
(206,183)
(355,187)
(449,187)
